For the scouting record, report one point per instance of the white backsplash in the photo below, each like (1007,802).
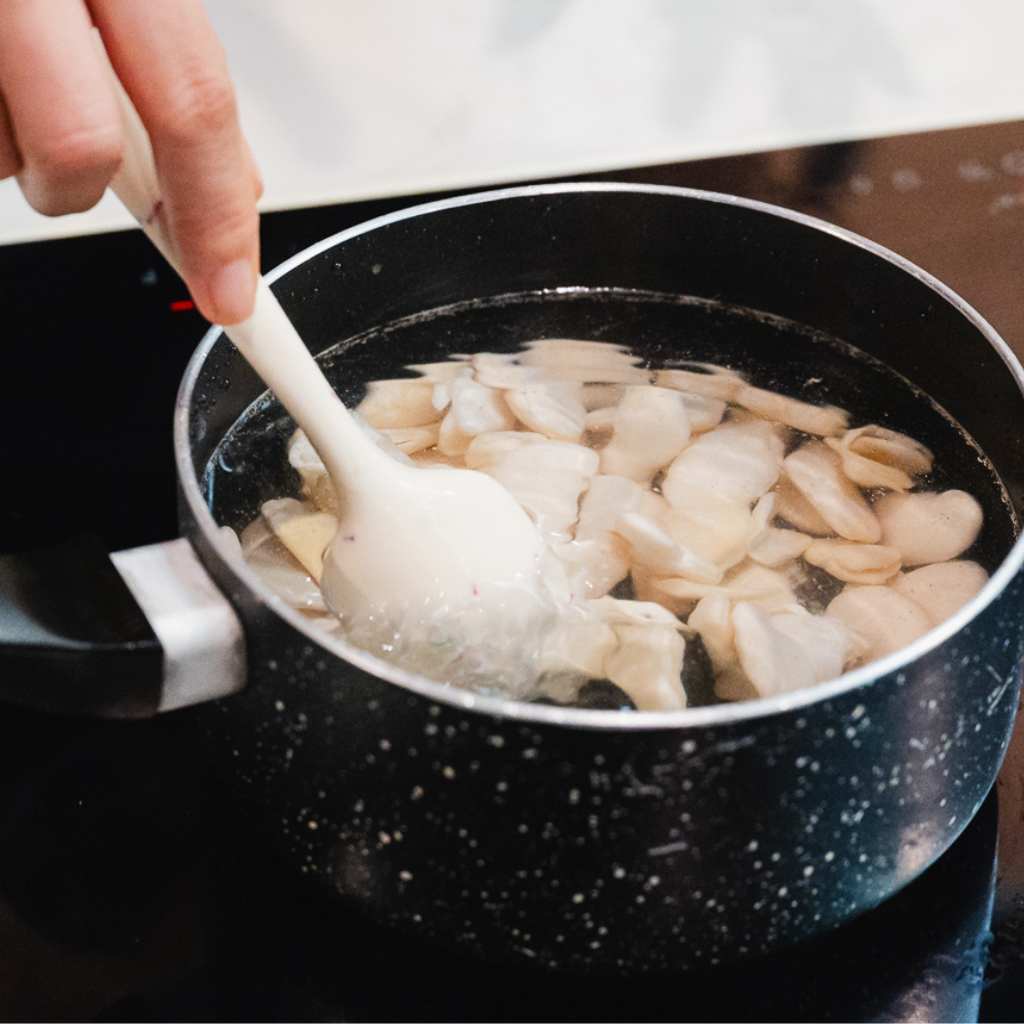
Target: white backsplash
(346,99)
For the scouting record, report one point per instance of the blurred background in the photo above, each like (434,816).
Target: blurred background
(355,99)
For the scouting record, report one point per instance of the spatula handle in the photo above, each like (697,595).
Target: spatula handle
(267,339)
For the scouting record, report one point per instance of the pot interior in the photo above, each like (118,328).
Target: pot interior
(673,274)
(250,465)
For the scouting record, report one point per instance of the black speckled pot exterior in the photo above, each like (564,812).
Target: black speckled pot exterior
(582,844)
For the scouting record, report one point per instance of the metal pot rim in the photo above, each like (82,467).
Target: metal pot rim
(718,715)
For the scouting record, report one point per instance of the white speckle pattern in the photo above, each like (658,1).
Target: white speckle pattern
(453,794)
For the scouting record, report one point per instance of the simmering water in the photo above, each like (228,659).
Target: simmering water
(250,465)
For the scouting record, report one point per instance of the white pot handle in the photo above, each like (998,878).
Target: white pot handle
(201,636)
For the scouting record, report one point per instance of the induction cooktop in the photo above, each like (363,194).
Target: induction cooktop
(128,891)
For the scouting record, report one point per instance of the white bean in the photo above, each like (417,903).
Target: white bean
(773,662)
(929,526)
(816,472)
(854,563)
(825,420)
(775,547)
(648,665)
(735,461)
(943,588)
(399,403)
(607,498)
(891,448)
(552,408)
(305,532)
(650,429)
(545,477)
(719,383)
(413,439)
(882,618)
(595,565)
(868,473)
(792,506)
(655,551)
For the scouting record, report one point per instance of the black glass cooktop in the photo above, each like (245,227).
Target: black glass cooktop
(128,891)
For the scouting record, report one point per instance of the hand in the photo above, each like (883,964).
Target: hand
(60,131)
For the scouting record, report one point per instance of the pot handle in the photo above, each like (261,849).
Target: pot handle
(125,635)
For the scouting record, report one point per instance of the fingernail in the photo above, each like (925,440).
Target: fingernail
(232,289)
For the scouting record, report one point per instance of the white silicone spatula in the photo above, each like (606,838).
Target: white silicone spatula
(413,541)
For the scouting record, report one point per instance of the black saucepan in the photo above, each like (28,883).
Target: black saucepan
(573,838)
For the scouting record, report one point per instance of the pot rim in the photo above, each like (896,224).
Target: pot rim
(717,715)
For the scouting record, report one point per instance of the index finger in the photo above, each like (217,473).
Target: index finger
(173,67)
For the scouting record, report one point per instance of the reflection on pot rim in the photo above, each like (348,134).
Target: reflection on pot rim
(724,714)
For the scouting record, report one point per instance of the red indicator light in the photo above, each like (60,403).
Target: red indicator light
(182,305)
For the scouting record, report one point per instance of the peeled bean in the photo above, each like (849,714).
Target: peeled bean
(705,413)
(474,410)
(646,587)
(305,532)
(719,383)
(752,583)
(816,472)
(768,588)
(854,563)
(650,429)
(824,420)
(943,588)
(278,570)
(715,528)
(826,642)
(735,461)
(413,439)
(488,448)
(595,564)
(588,362)
(441,396)
(928,526)
(890,448)
(551,408)
(599,559)
(775,547)
(255,535)
(791,649)
(555,353)
(883,619)
(874,456)
(648,665)
(316,484)
(868,473)
(399,403)
(607,498)
(545,477)
(655,551)
(772,661)
(579,643)
(792,506)
(712,619)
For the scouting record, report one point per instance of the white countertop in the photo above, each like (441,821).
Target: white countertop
(346,99)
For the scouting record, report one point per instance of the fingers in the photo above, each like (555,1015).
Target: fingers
(65,137)
(10,158)
(173,68)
